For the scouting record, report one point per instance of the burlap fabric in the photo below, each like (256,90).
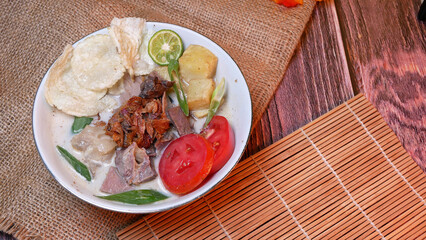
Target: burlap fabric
(259,34)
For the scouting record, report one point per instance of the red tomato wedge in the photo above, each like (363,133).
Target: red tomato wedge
(219,133)
(185,163)
(289,3)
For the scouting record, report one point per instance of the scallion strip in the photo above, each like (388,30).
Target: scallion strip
(174,67)
(217,96)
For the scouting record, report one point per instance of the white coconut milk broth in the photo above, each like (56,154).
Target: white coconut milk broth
(62,135)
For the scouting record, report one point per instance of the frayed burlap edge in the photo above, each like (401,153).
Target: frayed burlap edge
(20,232)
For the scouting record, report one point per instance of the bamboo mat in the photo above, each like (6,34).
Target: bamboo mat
(343,176)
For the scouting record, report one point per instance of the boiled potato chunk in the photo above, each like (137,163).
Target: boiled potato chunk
(197,62)
(200,113)
(199,93)
(203,112)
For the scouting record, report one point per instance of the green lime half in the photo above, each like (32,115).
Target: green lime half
(164,46)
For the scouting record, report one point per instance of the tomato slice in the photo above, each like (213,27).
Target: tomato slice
(185,163)
(219,133)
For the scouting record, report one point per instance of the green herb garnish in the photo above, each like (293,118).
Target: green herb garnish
(174,67)
(137,197)
(79,123)
(217,96)
(77,165)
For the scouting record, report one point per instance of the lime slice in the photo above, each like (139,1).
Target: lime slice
(165,45)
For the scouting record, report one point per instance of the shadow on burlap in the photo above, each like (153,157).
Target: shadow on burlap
(258,34)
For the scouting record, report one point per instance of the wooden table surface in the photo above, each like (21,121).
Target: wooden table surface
(377,48)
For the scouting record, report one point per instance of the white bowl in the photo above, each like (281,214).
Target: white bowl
(239,115)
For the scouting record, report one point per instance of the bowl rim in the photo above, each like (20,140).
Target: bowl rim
(190,200)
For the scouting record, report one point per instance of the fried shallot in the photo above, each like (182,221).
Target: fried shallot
(139,120)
